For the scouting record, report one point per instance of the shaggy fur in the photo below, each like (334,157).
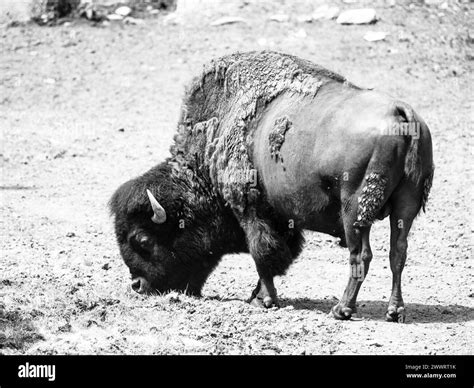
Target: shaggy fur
(370,200)
(277,136)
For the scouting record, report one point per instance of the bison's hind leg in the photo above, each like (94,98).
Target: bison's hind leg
(360,256)
(406,203)
(359,210)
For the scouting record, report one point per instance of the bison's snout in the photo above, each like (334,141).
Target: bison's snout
(140,285)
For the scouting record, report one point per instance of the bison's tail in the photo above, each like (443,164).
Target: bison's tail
(411,128)
(413,169)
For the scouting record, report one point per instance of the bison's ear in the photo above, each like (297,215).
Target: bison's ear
(159,214)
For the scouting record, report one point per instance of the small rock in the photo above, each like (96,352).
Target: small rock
(106,266)
(70,234)
(123,11)
(121,129)
(376,344)
(227,20)
(280,18)
(375,36)
(113,17)
(357,16)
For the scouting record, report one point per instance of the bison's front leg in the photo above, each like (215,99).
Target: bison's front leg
(264,294)
(272,257)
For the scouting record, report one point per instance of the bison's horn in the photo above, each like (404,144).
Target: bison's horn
(159,214)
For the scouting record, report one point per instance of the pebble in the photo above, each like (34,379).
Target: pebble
(123,11)
(113,17)
(357,16)
(375,36)
(375,343)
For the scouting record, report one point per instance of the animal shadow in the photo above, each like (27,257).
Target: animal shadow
(375,310)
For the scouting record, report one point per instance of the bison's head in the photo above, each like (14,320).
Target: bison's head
(165,239)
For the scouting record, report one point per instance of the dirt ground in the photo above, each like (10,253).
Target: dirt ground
(85,107)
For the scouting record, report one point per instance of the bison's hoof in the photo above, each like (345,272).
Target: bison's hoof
(342,313)
(267,302)
(395,314)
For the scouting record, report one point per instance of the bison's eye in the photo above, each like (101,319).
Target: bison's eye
(142,242)
(145,242)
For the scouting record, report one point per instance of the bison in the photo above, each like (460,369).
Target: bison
(268,145)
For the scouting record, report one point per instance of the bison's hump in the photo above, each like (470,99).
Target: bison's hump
(232,90)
